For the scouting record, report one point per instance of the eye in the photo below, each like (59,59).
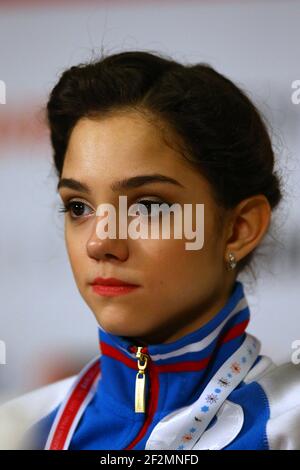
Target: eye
(74,207)
(151,208)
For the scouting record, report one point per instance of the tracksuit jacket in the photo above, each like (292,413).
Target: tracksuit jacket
(99,408)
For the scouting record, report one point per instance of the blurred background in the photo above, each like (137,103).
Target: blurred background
(47,331)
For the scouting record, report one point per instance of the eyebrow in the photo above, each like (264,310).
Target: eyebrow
(126,183)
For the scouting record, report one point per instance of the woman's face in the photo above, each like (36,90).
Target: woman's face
(179,289)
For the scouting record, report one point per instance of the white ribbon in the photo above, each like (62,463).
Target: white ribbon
(181,429)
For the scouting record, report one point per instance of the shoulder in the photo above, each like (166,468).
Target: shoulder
(19,414)
(281,387)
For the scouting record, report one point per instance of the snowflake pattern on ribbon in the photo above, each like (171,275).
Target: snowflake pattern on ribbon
(223,382)
(212,398)
(235,367)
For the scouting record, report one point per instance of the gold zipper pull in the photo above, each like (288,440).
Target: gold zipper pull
(140,382)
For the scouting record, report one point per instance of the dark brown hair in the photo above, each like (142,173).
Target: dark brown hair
(217,125)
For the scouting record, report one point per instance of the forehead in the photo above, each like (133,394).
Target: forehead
(125,145)
(118,140)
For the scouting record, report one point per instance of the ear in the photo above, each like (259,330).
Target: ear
(249,223)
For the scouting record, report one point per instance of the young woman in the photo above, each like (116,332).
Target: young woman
(177,369)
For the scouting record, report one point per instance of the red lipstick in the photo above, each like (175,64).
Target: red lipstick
(111,286)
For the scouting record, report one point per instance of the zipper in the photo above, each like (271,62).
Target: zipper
(140,381)
(142,355)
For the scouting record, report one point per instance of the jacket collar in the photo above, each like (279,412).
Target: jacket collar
(177,372)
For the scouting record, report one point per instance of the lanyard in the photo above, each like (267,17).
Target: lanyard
(72,408)
(180,430)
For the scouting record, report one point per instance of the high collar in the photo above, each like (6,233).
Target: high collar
(177,372)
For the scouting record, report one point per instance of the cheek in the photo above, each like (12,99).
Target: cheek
(75,249)
(168,265)
(168,262)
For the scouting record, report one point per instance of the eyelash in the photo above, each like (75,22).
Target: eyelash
(67,207)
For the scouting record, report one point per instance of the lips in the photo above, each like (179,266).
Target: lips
(109,287)
(111,281)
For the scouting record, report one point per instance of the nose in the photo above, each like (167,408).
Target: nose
(107,248)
